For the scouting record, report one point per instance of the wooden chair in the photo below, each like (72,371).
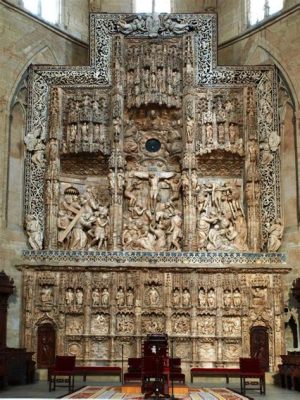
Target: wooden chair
(64,367)
(251,368)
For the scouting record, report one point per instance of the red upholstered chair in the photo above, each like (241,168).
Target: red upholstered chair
(251,368)
(65,367)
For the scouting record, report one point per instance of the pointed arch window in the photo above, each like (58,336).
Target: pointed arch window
(261,9)
(45,9)
(150,6)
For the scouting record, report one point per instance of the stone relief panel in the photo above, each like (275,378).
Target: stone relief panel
(151,141)
(219,306)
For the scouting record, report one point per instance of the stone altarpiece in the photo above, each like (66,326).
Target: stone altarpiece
(152,199)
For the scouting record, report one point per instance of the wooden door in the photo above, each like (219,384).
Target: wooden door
(46,345)
(259,345)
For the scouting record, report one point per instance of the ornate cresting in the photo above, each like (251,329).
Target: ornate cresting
(152,195)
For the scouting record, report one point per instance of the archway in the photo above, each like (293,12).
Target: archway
(259,345)
(46,340)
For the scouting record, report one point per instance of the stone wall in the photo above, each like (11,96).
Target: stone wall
(276,42)
(24,41)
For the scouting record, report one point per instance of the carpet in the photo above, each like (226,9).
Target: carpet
(115,393)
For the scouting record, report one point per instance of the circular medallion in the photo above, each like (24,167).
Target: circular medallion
(153,145)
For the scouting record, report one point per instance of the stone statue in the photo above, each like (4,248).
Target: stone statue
(175,230)
(275,232)
(202,301)
(237,298)
(227,298)
(211,298)
(120,297)
(46,294)
(129,298)
(105,297)
(186,298)
(99,230)
(153,297)
(33,229)
(69,296)
(96,297)
(176,297)
(79,297)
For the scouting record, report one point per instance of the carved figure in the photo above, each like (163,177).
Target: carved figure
(105,297)
(202,298)
(189,130)
(211,298)
(237,298)
(38,157)
(96,297)
(227,298)
(153,297)
(69,296)
(130,298)
(99,232)
(275,232)
(186,298)
(176,297)
(34,232)
(175,230)
(120,297)
(209,133)
(46,294)
(79,297)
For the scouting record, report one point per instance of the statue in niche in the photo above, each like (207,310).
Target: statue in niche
(221,133)
(237,298)
(33,229)
(211,298)
(232,133)
(176,297)
(275,232)
(266,155)
(202,300)
(209,132)
(186,298)
(153,297)
(227,298)
(96,297)
(105,297)
(79,296)
(130,297)
(69,296)
(190,128)
(251,163)
(46,294)
(175,230)
(120,297)
(99,228)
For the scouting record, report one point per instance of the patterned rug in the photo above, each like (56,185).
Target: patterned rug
(114,393)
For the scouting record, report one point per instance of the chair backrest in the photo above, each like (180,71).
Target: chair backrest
(65,363)
(250,365)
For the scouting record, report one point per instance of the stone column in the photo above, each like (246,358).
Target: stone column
(189,175)
(51,193)
(116,162)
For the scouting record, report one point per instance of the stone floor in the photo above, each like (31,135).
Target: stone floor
(39,390)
